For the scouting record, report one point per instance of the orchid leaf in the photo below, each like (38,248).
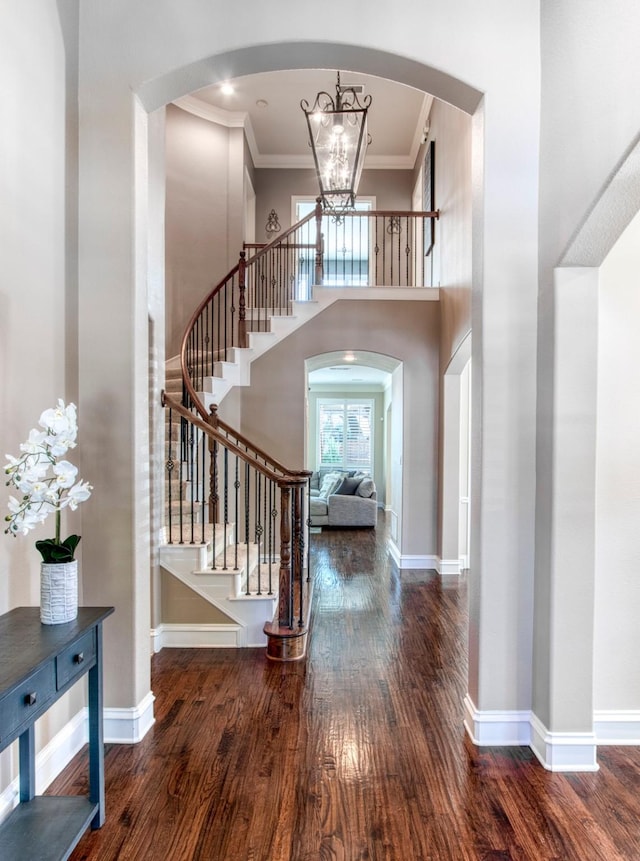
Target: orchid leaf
(53,552)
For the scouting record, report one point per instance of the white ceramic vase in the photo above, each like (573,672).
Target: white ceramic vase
(58,592)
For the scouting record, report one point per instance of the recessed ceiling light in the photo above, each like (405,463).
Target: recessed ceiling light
(227,89)
(262,103)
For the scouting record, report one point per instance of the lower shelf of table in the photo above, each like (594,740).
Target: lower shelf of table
(46,828)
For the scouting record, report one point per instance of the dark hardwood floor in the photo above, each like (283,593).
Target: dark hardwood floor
(358,753)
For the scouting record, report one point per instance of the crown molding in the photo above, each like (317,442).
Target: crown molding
(229,119)
(241,119)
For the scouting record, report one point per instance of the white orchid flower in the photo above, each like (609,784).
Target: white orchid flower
(60,445)
(32,474)
(80,492)
(35,442)
(39,491)
(59,419)
(23,517)
(65,473)
(43,493)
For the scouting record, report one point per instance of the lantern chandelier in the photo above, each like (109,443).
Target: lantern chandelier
(338,139)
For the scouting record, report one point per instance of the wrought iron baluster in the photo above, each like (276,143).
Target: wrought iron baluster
(225,491)
(236,485)
(170,466)
(376,249)
(213,490)
(218,324)
(258,527)
(211,339)
(247,504)
(181,485)
(226,319)
(351,224)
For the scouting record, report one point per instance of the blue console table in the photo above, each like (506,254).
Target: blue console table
(38,664)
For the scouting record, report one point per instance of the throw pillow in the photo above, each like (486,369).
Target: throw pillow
(329,483)
(348,486)
(366,488)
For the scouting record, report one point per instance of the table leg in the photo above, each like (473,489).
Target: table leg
(27,760)
(96,735)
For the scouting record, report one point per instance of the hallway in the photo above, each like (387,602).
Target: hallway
(359,753)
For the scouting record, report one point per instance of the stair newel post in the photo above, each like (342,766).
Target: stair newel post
(285,596)
(298,545)
(242,300)
(319,243)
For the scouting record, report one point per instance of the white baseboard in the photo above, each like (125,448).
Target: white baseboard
(197,636)
(556,751)
(499,728)
(563,751)
(426,562)
(621,726)
(447,567)
(128,726)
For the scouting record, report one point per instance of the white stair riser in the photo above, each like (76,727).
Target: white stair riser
(191,565)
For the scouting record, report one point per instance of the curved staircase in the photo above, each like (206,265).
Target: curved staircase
(236,531)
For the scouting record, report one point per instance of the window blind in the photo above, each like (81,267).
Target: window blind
(345,438)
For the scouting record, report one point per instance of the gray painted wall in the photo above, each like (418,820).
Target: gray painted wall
(272,410)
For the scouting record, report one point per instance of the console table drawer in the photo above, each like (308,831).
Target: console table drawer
(75,660)
(27,700)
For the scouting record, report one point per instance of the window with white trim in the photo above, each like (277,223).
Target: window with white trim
(346,260)
(345,434)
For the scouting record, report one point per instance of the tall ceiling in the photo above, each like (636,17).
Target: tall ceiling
(268,106)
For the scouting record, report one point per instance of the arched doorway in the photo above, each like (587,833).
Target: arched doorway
(412,559)
(378,384)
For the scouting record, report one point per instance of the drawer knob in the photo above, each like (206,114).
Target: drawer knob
(30,699)
(79,658)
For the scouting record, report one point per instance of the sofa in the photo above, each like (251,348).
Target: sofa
(339,498)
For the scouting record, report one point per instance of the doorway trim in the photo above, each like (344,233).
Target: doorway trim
(450,561)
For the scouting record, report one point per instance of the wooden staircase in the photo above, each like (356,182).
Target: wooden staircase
(241,584)
(216,477)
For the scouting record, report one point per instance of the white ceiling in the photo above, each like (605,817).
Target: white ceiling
(277,136)
(277,130)
(362,367)
(348,374)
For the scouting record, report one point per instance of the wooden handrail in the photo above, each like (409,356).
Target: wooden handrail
(390,213)
(278,240)
(239,268)
(240,272)
(256,450)
(286,480)
(298,245)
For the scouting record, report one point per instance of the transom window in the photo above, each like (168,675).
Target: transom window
(345,434)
